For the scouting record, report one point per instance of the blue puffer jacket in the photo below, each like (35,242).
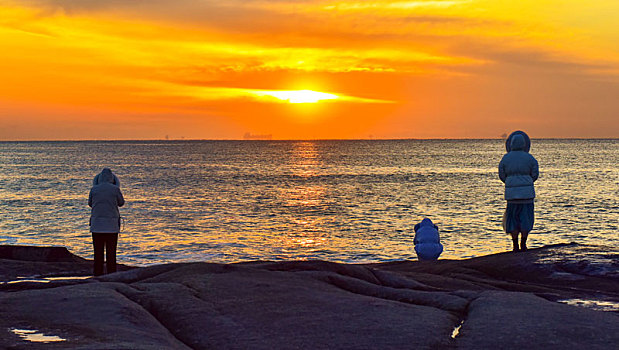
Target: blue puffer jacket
(427,240)
(518,169)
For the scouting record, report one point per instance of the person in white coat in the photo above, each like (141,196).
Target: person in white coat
(104,199)
(427,241)
(518,169)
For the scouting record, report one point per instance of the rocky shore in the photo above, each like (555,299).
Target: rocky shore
(509,301)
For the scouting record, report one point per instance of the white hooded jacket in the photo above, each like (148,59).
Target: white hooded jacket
(518,169)
(104,199)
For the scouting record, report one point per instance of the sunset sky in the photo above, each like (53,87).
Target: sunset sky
(216,69)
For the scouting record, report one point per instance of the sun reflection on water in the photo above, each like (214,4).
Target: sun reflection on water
(304,199)
(311,195)
(304,159)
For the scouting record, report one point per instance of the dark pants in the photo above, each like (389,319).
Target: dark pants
(107,241)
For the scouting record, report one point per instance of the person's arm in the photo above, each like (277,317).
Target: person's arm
(120,200)
(502,171)
(90,199)
(535,170)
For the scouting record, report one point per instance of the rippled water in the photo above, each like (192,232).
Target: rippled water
(352,201)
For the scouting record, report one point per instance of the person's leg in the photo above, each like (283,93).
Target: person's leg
(510,225)
(523,240)
(110,250)
(98,243)
(515,241)
(527,219)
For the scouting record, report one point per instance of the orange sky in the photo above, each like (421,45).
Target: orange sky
(200,69)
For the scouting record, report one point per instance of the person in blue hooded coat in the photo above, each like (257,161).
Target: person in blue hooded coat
(427,241)
(519,170)
(104,199)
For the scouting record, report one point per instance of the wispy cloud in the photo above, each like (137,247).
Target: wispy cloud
(219,93)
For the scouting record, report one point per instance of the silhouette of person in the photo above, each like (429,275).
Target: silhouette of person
(104,199)
(518,170)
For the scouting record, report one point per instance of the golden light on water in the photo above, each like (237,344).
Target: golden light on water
(305,198)
(304,159)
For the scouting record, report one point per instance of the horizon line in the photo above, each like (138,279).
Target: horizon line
(292,139)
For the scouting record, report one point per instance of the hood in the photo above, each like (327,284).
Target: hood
(518,143)
(424,222)
(527,141)
(99,178)
(106,176)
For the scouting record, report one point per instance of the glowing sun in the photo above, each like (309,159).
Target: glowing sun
(298,96)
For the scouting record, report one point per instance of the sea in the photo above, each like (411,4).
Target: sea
(352,201)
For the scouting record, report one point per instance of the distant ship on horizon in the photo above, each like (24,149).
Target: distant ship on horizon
(250,136)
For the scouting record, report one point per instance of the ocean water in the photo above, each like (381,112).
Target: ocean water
(344,201)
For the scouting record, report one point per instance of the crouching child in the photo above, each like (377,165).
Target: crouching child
(427,241)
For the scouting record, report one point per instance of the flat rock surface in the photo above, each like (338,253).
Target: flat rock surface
(28,262)
(505,320)
(507,300)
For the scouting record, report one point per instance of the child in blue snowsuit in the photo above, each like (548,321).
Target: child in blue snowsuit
(427,241)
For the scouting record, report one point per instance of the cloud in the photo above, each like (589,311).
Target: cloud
(453,38)
(222,93)
(373,36)
(149,44)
